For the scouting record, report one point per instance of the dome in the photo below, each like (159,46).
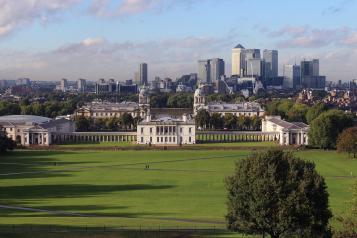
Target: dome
(25,119)
(198,92)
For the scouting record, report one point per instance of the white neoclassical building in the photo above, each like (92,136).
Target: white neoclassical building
(34,130)
(166,131)
(248,109)
(290,133)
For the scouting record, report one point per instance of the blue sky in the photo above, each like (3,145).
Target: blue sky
(53,39)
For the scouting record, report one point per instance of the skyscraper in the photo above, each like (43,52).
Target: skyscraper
(238,60)
(64,85)
(143,74)
(310,74)
(292,76)
(217,69)
(81,85)
(204,71)
(271,59)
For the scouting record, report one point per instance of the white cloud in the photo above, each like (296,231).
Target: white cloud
(19,13)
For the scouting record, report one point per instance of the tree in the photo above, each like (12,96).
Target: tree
(278,194)
(325,129)
(256,123)
(314,111)
(82,123)
(347,141)
(203,118)
(230,121)
(6,143)
(113,124)
(298,112)
(216,121)
(126,120)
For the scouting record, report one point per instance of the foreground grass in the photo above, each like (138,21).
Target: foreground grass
(181,189)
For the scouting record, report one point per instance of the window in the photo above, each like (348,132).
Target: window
(181,140)
(158,139)
(190,130)
(174,139)
(142,139)
(150,130)
(170,139)
(150,139)
(142,130)
(162,139)
(189,139)
(180,129)
(165,139)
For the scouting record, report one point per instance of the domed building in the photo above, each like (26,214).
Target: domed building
(249,109)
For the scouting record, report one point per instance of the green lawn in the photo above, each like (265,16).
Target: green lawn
(181,189)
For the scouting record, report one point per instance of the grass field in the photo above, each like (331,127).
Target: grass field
(181,189)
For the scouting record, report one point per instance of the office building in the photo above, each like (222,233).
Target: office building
(238,60)
(81,85)
(310,75)
(143,74)
(292,78)
(204,71)
(64,85)
(103,86)
(217,69)
(271,59)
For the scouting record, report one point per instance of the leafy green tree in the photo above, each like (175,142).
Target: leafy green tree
(180,100)
(324,130)
(230,121)
(203,118)
(216,121)
(82,123)
(9,108)
(6,143)
(112,124)
(158,100)
(298,112)
(347,141)
(126,120)
(256,123)
(241,122)
(278,194)
(314,111)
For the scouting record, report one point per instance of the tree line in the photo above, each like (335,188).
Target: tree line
(123,123)
(229,121)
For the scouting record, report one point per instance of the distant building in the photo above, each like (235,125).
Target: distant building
(204,71)
(166,131)
(249,109)
(81,85)
(103,86)
(271,59)
(310,75)
(238,60)
(292,77)
(291,133)
(23,82)
(217,69)
(34,130)
(143,74)
(64,85)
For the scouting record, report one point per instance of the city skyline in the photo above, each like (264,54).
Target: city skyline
(50,40)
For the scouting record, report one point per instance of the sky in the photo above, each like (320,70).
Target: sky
(93,39)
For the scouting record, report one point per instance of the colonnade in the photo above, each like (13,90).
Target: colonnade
(236,136)
(94,137)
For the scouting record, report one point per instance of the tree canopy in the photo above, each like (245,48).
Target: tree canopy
(347,141)
(324,130)
(278,194)
(6,143)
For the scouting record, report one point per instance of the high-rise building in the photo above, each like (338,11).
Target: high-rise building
(204,71)
(217,69)
(64,85)
(143,74)
(292,76)
(81,85)
(310,74)
(210,70)
(271,59)
(238,60)
(253,63)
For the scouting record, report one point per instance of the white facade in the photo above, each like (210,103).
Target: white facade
(291,133)
(166,131)
(34,130)
(248,109)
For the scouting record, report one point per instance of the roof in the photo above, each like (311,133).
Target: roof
(239,46)
(24,119)
(168,120)
(109,106)
(233,107)
(54,123)
(288,125)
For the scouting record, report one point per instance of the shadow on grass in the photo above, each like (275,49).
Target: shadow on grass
(9,193)
(35,164)
(94,211)
(26,231)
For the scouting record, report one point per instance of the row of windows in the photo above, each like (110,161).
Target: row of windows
(165,130)
(108,114)
(166,139)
